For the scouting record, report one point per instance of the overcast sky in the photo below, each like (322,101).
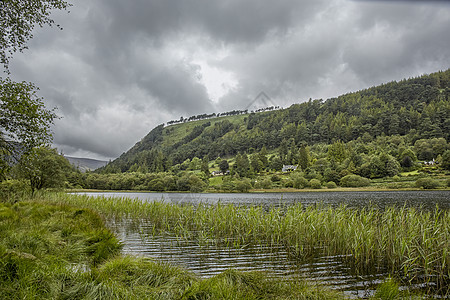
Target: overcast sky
(119,68)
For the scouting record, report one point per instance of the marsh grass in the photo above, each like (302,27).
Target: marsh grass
(58,251)
(409,243)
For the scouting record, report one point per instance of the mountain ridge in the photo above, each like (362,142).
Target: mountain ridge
(418,107)
(86,164)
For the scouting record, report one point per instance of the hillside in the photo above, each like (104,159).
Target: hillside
(86,164)
(418,108)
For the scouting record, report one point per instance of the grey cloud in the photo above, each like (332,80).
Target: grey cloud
(119,68)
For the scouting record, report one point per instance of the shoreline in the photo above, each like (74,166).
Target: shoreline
(262,191)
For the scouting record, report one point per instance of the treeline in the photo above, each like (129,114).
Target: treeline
(270,108)
(208,116)
(415,109)
(336,164)
(224,114)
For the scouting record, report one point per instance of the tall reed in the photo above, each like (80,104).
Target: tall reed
(408,242)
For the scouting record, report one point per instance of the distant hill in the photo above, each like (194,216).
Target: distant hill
(86,164)
(418,108)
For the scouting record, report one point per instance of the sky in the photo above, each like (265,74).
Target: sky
(120,68)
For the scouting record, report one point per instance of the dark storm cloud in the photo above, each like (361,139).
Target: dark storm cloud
(119,68)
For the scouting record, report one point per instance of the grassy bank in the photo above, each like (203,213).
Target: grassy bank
(64,251)
(409,243)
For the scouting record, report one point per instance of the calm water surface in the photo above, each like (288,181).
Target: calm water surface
(381,199)
(207,259)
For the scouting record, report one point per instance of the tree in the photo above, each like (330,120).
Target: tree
(24,120)
(242,165)
(256,163)
(337,152)
(23,117)
(224,166)
(445,163)
(205,165)
(17,21)
(44,168)
(276,163)
(303,158)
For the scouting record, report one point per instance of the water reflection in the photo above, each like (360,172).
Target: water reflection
(210,257)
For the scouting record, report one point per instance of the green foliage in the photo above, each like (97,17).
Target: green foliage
(224,166)
(304,158)
(331,185)
(354,130)
(13,190)
(299,182)
(445,162)
(44,168)
(242,165)
(402,240)
(264,183)
(337,152)
(427,183)
(44,249)
(243,185)
(315,184)
(233,284)
(354,181)
(427,149)
(18,21)
(101,245)
(23,119)
(388,290)
(275,163)
(205,166)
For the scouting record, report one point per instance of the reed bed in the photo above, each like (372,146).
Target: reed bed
(50,251)
(409,243)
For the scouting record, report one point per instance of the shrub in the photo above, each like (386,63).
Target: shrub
(12,190)
(275,178)
(427,183)
(354,181)
(243,185)
(300,182)
(331,185)
(315,184)
(288,183)
(265,183)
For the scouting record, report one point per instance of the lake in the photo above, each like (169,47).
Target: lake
(380,199)
(208,260)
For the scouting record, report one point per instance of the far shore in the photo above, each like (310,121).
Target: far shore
(258,191)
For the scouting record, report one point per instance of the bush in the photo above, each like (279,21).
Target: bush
(331,185)
(288,183)
(448,182)
(300,182)
(275,178)
(12,190)
(354,181)
(265,183)
(315,184)
(243,185)
(427,183)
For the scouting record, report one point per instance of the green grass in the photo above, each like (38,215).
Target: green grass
(62,251)
(175,133)
(215,181)
(409,243)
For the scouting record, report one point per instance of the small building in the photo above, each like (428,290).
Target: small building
(289,168)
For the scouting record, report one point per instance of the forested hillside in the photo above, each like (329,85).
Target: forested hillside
(413,109)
